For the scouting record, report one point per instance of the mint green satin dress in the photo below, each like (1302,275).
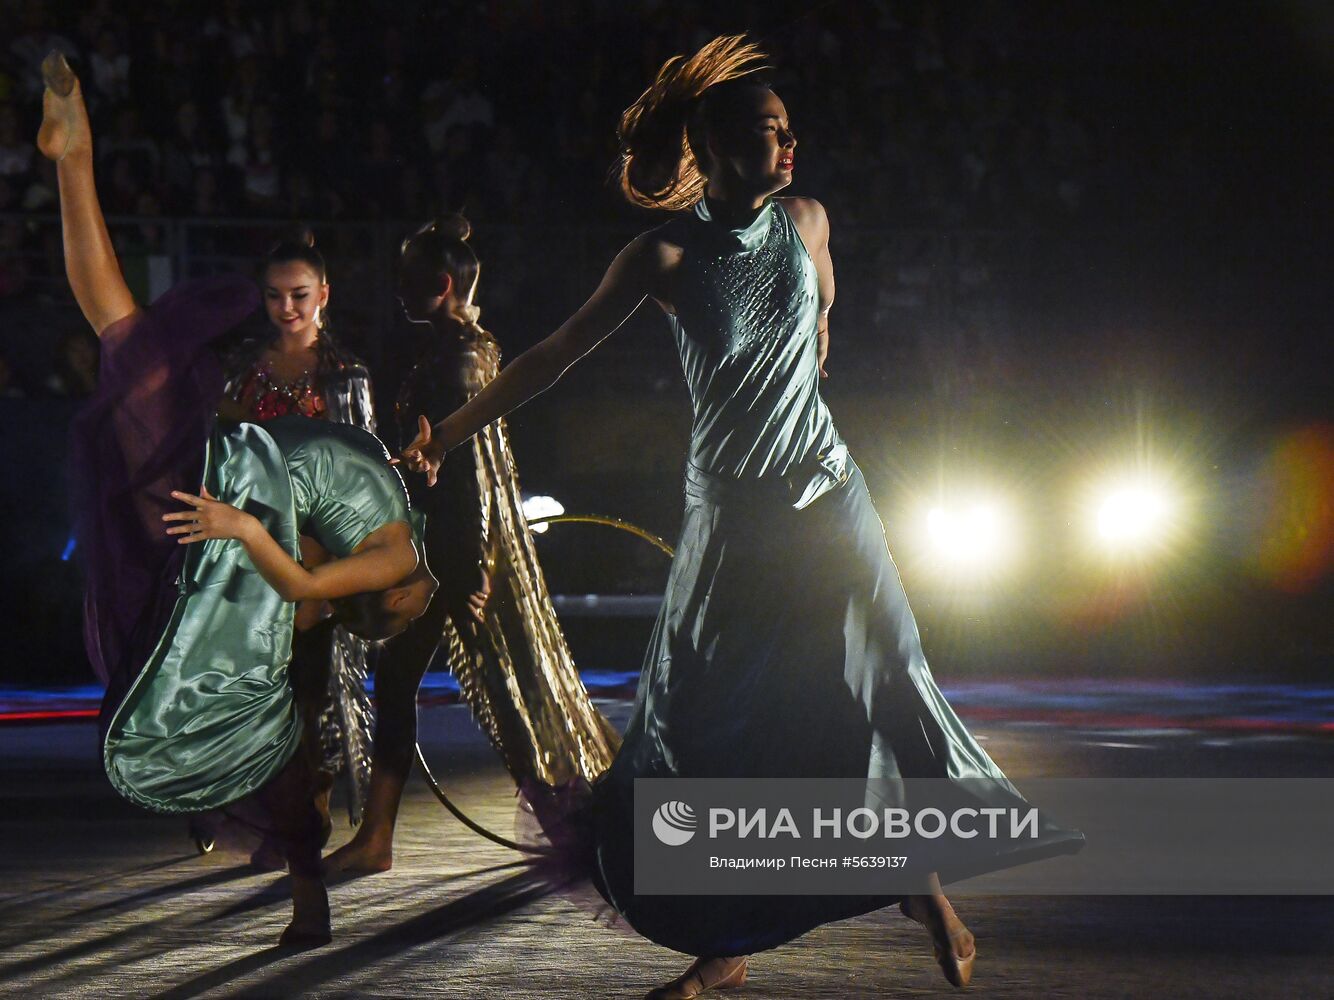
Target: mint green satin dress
(210,718)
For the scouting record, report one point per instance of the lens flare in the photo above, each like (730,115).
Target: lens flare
(975,539)
(1291,510)
(541,506)
(1133,514)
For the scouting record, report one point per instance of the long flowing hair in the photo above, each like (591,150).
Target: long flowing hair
(658,167)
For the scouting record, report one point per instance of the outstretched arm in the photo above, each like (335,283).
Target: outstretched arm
(90,260)
(632,276)
(383,559)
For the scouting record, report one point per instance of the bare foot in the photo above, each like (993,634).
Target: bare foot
(364,854)
(310,915)
(64,129)
(953,942)
(703,975)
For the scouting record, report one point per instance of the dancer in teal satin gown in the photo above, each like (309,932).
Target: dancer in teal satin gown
(190,596)
(785,646)
(210,718)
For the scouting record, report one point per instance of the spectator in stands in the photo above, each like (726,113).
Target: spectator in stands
(110,67)
(245,92)
(75,374)
(189,151)
(9,385)
(16,156)
(256,162)
(130,142)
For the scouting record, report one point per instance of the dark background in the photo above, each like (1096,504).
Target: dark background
(1067,237)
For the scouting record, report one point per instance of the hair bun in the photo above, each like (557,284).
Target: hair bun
(453,226)
(296,236)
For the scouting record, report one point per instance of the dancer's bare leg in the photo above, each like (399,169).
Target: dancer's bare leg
(952,941)
(90,260)
(397,678)
(290,801)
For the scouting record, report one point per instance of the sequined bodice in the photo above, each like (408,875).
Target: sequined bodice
(272,397)
(747,304)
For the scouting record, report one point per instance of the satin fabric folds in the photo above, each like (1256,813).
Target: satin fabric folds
(210,717)
(192,643)
(785,646)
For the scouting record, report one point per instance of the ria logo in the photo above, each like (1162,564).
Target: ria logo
(674,823)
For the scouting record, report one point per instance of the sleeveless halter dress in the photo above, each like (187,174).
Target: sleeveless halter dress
(785,646)
(192,642)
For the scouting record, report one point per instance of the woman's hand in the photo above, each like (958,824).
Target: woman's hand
(426,451)
(466,601)
(208,518)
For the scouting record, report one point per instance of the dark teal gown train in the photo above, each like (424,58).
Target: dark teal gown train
(785,646)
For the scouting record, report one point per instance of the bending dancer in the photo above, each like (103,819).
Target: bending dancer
(193,639)
(504,642)
(785,646)
(299,368)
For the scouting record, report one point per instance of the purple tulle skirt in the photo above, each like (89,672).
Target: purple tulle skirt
(142,435)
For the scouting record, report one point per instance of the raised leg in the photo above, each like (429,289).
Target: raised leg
(90,260)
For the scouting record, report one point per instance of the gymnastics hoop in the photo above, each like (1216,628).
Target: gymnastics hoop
(455,811)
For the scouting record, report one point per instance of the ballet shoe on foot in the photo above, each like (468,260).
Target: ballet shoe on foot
(958,971)
(57,75)
(64,120)
(703,975)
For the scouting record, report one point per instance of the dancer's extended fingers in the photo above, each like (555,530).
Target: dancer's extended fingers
(182,515)
(184,529)
(189,498)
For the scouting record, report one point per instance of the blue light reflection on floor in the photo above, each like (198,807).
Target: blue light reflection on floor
(1295,704)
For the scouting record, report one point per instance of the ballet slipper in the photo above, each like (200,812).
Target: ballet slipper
(703,975)
(958,970)
(64,128)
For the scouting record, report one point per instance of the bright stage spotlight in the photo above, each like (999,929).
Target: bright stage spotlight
(975,539)
(541,506)
(1132,515)
(1135,516)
